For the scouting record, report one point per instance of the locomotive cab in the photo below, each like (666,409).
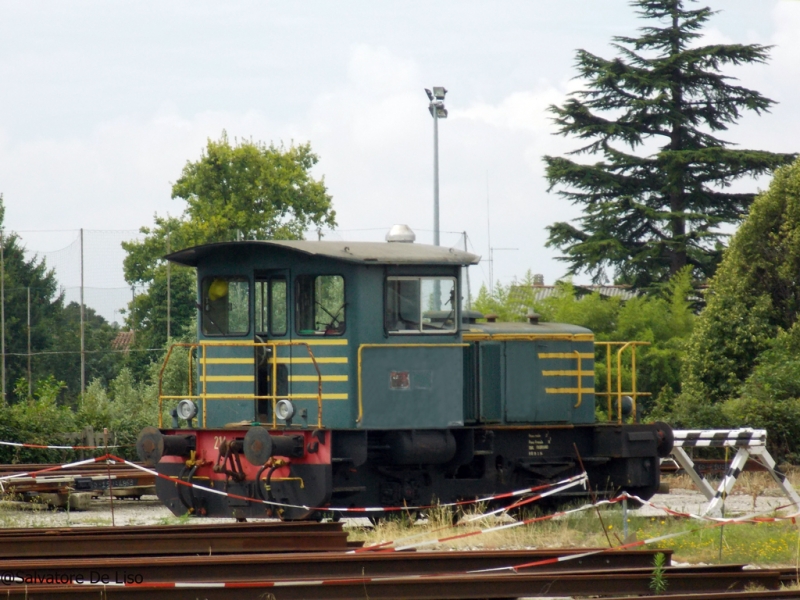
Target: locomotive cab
(275,324)
(345,374)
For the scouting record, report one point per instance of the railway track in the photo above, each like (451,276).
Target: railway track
(433,587)
(173,540)
(283,561)
(242,567)
(293,560)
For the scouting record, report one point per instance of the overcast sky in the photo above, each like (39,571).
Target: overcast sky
(102,103)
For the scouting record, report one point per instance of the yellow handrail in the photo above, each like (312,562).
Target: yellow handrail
(204,396)
(580,387)
(633,393)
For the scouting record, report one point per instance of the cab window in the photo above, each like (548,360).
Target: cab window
(420,305)
(225,306)
(271,306)
(277,306)
(320,305)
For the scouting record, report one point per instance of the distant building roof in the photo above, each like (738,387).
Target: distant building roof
(540,291)
(123,341)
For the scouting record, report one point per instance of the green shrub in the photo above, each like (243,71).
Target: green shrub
(35,420)
(770,397)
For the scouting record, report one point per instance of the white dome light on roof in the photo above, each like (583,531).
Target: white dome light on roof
(401,233)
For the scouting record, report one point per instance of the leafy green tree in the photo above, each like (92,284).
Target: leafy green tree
(753,297)
(247,190)
(65,365)
(254,191)
(770,397)
(509,302)
(46,307)
(54,328)
(656,200)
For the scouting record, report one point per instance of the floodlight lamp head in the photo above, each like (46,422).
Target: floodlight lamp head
(284,410)
(438,106)
(439,92)
(430,94)
(187,409)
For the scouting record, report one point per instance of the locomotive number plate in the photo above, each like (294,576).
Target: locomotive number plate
(399,380)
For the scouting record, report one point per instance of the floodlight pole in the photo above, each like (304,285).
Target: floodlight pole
(437,110)
(435,177)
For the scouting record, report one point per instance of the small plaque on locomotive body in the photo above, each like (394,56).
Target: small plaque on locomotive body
(538,444)
(399,380)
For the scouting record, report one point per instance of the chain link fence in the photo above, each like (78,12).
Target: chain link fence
(40,340)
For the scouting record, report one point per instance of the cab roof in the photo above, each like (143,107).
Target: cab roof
(382,253)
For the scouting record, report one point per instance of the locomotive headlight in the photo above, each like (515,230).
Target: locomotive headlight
(187,409)
(284,410)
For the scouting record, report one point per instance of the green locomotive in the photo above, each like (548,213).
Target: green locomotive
(347,374)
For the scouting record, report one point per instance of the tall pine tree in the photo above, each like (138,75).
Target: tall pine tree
(656,200)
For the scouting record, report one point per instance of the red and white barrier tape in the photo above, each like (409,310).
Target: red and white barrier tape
(365,580)
(35,474)
(555,488)
(577,480)
(713,523)
(570,482)
(551,492)
(398,578)
(44,447)
(752,518)
(562,485)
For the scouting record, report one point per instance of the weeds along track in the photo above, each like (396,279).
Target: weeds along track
(284,560)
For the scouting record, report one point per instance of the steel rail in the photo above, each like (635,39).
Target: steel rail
(159,544)
(332,564)
(418,588)
(172,530)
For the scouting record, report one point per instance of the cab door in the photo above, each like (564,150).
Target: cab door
(271,325)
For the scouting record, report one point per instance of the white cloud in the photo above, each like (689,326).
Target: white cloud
(116,176)
(521,111)
(366,117)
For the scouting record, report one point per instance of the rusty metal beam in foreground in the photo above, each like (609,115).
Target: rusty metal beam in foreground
(169,530)
(154,544)
(243,567)
(419,588)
